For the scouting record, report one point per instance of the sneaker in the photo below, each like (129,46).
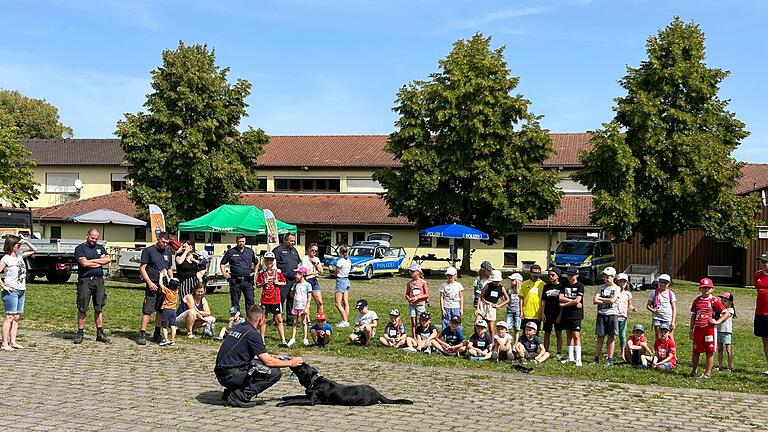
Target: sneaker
(558,357)
(609,363)
(495,356)
(596,361)
(291,342)
(78,337)
(283,344)
(101,338)
(342,324)
(141,339)
(765,373)
(193,336)
(235,401)
(172,343)
(579,363)
(305,342)
(165,342)
(429,351)
(409,349)
(218,338)
(717,369)
(702,377)
(692,374)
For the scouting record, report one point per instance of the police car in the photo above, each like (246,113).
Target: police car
(370,258)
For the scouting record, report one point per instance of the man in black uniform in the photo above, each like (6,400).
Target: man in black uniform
(572,304)
(287,259)
(551,305)
(241,262)
(243,365)
(90,257)
(154,259)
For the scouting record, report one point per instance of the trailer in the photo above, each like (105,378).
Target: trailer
(642,276)
(129,260)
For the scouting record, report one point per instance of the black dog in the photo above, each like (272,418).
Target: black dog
(323,391)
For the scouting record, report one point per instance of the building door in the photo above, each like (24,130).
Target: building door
(322,238)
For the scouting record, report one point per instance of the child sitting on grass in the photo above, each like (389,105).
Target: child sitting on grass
(451,341)
(365,324)
(394,332)
(502,342)
(666,350)
(530,347)
(234,319)
(480,343)
(426,332)
(636,351)
(170,301)
(321,331)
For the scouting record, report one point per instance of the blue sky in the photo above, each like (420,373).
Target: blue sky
(334,67)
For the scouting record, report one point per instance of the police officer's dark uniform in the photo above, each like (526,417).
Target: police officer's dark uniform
(238,368)
(287,259)
(241,264)
(90,285)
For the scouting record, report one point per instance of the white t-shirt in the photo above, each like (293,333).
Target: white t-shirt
(606,292)
(15,272)
(664,299)
(306,262)
(727,325)
(343,267)
(452,292)
(502,340)
(367,318)
(300,295)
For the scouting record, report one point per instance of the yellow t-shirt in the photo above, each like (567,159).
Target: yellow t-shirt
(531,293)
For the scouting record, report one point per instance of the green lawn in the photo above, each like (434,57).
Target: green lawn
(52,308)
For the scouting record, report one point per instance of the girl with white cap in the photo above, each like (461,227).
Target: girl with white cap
(625,305)
(492,297)
(514,314)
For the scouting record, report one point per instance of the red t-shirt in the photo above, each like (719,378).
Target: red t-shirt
(637,341)
(270,293)
(703,308)
(665,348)
(761,284)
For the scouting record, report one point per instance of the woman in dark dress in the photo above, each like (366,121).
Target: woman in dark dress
(186,269)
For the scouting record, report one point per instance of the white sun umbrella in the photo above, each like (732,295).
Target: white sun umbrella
(104,217)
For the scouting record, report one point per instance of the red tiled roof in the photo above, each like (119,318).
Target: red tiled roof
(567,146)
(76,151)
(573,213)
(753,177)
(326,209)
(117,201)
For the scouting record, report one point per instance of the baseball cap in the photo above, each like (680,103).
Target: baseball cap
(536,269)
(203,253)
(415,267)
(516,276)
(451,271)
(532,325)
(726,295)
(394,312)
(609,271)
(664,326)
(301,270)
(454,319)
(495,276)
(665,277)
(622,276)
(572,270)
(320,317)
(425,315)
(501,324)
(486,265)
(706,282)
(233,310)
(638,327)
(361,304)
(763,256)
(481,323)
(269,255)
(555,270)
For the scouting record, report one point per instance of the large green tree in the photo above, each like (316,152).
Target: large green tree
(17,184)
(186,153)
(664,164)
(470,150)
(33,118)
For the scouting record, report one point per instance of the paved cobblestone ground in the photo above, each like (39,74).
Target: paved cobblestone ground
(55,385)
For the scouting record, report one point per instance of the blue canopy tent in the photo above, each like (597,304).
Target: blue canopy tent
(453,231)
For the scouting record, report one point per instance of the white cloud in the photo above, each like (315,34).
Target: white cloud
(473,23)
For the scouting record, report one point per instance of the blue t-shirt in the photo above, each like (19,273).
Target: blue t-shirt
(156,260)
(238,349)
(240,262)
(483,342)
(452,337)
(326,327)
(89,252)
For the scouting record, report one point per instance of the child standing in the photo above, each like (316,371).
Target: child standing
(607,323)
(482,278)
(170,300)
(451,297)
(703,311)
(270,279)
(572,313)
(666,350)
(394,332)
(234,319)
(514,314)
(343,267)
(725,333)
(321,331)
(662,303)
(416,294)
(300,312)
(625,305)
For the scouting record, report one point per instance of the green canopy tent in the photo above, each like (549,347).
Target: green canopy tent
(235,219)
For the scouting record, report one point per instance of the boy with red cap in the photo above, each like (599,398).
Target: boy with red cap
(321,331)
(703,312)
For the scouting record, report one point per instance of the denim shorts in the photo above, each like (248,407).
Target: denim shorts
(342,284)
(415,311)
(14,302)
(314,283)
(724,338)
(513,321)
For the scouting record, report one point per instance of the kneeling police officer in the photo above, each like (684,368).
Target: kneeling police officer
(243,365)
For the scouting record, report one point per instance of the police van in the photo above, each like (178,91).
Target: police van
(590,254)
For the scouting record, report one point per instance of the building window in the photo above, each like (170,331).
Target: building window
(140,234)
(572,187)
(443,242)
(358,236)
(762,232)
(119,181)
(261,184)
(425,241)
(510,241)
(307,185)
(55,232)
(510,259)
(61,183)
(363,184)
(342,237)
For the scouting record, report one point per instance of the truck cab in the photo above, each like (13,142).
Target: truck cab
(590,254)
